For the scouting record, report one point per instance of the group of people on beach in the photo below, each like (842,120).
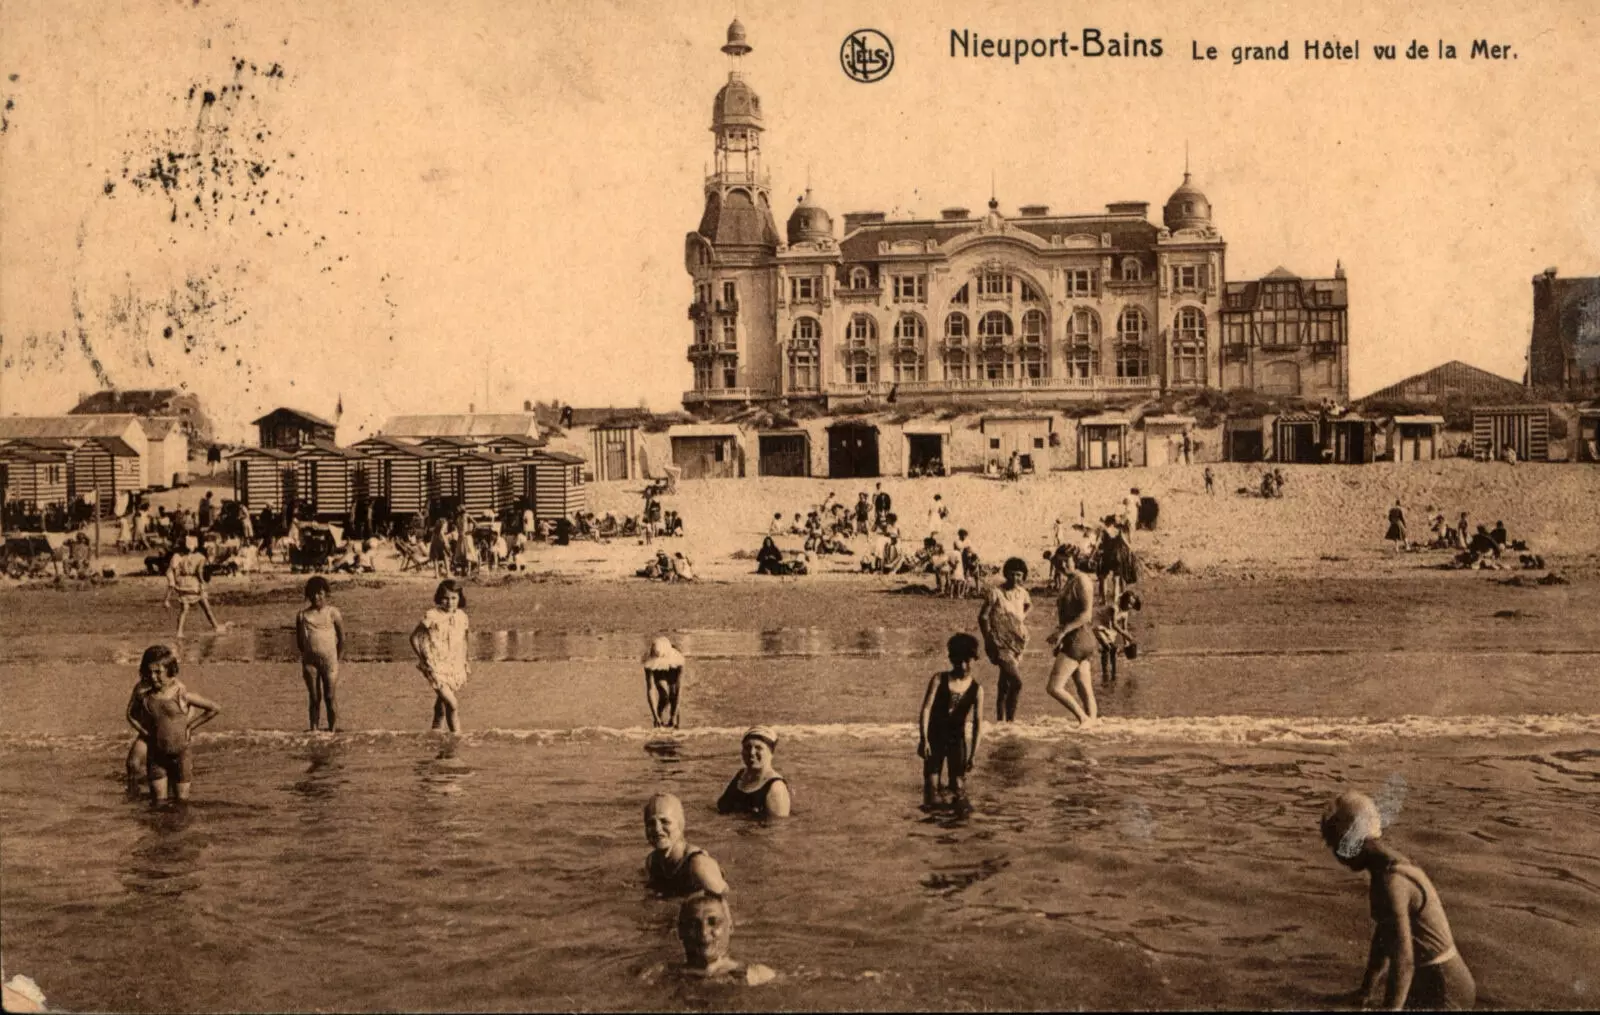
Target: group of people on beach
(1478,549)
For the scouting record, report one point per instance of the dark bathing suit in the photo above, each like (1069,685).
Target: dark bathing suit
(736,801)
(1080,643)
(677,881)
(947,729)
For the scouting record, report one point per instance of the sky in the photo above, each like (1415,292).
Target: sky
(409,207)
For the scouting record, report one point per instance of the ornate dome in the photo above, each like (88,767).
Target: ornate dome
(1187,208)
(737,105)
(809,223)
(736,44)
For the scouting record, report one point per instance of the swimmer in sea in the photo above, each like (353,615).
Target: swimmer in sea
(663,669)
(954,700)
(674,867)
(165,714)
(1412,942)
(758,788)
(139,750)
(705,927)
(319,634)
(1003,622)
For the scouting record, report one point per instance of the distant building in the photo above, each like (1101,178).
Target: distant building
(161,446)
(1287,335)
(1565,350)
(1001,308)
(288,429)
(462,424)
(1452,379)
(152,403)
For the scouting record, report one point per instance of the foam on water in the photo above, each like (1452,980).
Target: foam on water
(1227,729)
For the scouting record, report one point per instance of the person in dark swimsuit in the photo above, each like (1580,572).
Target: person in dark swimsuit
(166,714)
(1075,645)
(954,700)
(758,789)
(1411,941)
(675,868)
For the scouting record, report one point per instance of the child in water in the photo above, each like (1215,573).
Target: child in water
(1412,942)
(440,642)
(1111,630)
(674,867)
(163,712)
(952,702)
(663,668)
(319,634)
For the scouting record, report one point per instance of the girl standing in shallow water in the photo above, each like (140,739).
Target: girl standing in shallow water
(319,634)
(440,642)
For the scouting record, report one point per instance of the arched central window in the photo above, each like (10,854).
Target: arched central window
(994,328)
(955,330)
(861,350)
(804,355)
(1133,354)
(1189,345)
(1033,361)
(910,337)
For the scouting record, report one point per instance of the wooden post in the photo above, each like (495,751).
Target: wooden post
(97,512)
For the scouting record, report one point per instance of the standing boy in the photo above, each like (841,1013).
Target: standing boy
(953,702)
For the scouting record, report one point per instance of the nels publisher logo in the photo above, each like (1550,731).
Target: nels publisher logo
(867,55)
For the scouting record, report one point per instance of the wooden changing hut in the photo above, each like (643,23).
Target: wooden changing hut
(105,467)
(1103,442)
(34,476)
(405,477)
(482,481)
(1414,438)
(553,484)
(1523,429)
(332,478)
(263,478)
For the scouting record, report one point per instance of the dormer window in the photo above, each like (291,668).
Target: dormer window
(1132,271)
(860,278)
(1324,298)
(910,288)
(1188,207)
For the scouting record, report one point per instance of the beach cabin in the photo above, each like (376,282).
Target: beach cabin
(1350,439)
(483,482)
(1523,429)
(783,453)
(74,431)
(852,450)
(1244,440)
(263,478)
(1028,436)
(707,450)
(1296,438)
(288,429)
(405,477)
(926,448)
(1414,438)
(616,452)
(102,469)
(166,451)
(1588,438)
(1168,440)
(552,482)
(514,445)
(35,478)
(333,479)
(1103,442)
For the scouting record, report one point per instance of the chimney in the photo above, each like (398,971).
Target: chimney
(527,405)
(955,213)
(1139,208)
(1034,210)
(854,220)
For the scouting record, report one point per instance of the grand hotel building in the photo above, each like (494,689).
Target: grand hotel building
(989,307)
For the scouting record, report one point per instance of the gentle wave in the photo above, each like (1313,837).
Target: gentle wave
(1227,729)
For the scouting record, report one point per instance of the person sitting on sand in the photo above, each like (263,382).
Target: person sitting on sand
(1412,942)
(1500,535)
(758,788)
(682,568)
(163,712)
(674,867)
(663,671)
(777,524)
(705,927)
(1075,645)
(769,559)
(952,703)
(1003,622)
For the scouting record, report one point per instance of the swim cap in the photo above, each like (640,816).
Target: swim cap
(662,656)
(763,733)
(1350,819)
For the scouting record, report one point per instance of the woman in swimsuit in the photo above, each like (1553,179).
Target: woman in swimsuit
(663,668)
(1075,645)
(758,789)
(1411,942)
(674,867)
(1003,621)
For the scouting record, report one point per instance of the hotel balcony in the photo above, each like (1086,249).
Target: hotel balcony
(724,395)
(960,385)
(700,349)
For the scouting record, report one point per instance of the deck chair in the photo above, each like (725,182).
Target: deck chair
(412,556)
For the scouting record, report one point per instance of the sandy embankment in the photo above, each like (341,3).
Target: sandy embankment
(1326,511)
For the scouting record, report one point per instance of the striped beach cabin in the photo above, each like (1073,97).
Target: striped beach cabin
(484,482)
(105,467)
(406,475)
(553,484)
(514,445)
(1521,429)
(34,476)
(264,477)
(332,478)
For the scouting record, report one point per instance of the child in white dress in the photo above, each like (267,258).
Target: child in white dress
(440,642)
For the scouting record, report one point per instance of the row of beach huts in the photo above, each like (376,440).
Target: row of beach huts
(56,461)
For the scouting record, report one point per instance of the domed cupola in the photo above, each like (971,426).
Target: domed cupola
(809,223)
(1187,208)
(737,105)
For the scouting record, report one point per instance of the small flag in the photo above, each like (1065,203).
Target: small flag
(338,410)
